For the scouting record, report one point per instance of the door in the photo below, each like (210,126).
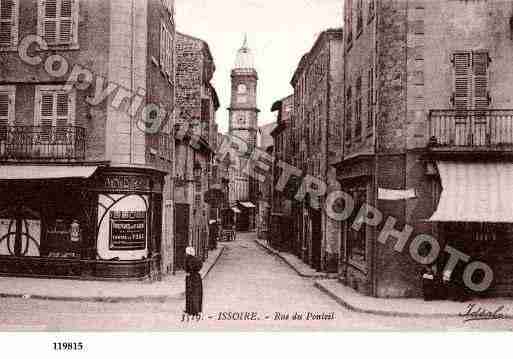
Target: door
(316,240)
(182,215)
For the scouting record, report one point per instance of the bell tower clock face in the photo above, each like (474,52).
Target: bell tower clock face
(242,89)
(241,120)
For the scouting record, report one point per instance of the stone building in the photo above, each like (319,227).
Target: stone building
(243,124)
(196,139)
(427,142)
(86,157)
(315,144)
(265,144)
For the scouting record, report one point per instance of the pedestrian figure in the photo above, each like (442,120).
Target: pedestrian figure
(214,233)
(193,283)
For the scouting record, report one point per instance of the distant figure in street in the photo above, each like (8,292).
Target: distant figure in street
(193,283)
(213,233)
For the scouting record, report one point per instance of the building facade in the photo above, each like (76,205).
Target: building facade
(86,174)
(265,144)
(426,124)
(315,144)
(243,124)
(196,140)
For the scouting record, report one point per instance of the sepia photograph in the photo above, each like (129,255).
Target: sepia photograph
(255,166)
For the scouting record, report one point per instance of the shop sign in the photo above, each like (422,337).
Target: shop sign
(128,230)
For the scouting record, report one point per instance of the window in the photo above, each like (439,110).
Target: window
(372,10)
(370,101)
(6,110)
(470,80)
(55,108)
(58,21)
(349,21)
(359,17)
(8,24)
(358,108)
(349,116)
(166,52)
(356,240)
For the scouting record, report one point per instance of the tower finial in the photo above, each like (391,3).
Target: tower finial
(245,44)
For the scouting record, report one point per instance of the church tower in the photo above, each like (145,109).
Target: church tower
(243,120)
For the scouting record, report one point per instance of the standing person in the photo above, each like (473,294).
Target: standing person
(193,283)
(214,233)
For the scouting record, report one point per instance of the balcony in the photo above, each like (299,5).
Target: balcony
(42,143)
(471,130)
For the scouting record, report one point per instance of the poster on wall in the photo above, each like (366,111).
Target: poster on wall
(127,230)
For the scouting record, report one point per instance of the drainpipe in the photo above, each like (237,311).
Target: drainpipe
(326,169)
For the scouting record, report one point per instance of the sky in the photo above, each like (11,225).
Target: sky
(279,33)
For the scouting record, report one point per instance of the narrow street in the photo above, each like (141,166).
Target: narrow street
(246,279)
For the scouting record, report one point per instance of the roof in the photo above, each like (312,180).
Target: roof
(245,58)
(305,60)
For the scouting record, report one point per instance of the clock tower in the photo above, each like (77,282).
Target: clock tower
(243,120)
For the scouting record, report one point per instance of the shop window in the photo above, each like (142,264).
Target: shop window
(8,24)
(356,240)
(58,21)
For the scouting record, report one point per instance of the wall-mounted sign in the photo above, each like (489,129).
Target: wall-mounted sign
(127,230)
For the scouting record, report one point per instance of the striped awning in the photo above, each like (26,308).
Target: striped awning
(475,192)
(35,172)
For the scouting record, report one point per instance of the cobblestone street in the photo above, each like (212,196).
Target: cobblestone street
(246,279)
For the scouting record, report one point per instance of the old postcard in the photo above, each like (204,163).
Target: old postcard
(256,165)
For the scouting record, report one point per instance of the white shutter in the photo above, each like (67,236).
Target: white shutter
(46,114)
(58,21)
(8,23)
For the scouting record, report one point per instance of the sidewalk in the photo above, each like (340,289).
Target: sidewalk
(171,287)
(303,269)
(408,307)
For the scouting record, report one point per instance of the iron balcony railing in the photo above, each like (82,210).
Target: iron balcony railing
(51,143)
(471,128)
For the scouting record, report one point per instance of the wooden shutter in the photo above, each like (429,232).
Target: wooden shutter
(46,115)
(6,113)
(58,21)
(66,22)
(162,46)
(480,80)
(8,23)
(462,81)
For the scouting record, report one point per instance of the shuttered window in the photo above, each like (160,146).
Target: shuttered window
(349,116)
(166,51)
(8,24)
(370,101)
(58,21)
(6,110)
(358,108)
(471,81)
(55,109)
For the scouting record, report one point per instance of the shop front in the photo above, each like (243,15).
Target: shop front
(80,221)
(475,215)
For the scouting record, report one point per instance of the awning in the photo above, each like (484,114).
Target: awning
(30,172)
(247,205)
(236,210)
(475,192)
